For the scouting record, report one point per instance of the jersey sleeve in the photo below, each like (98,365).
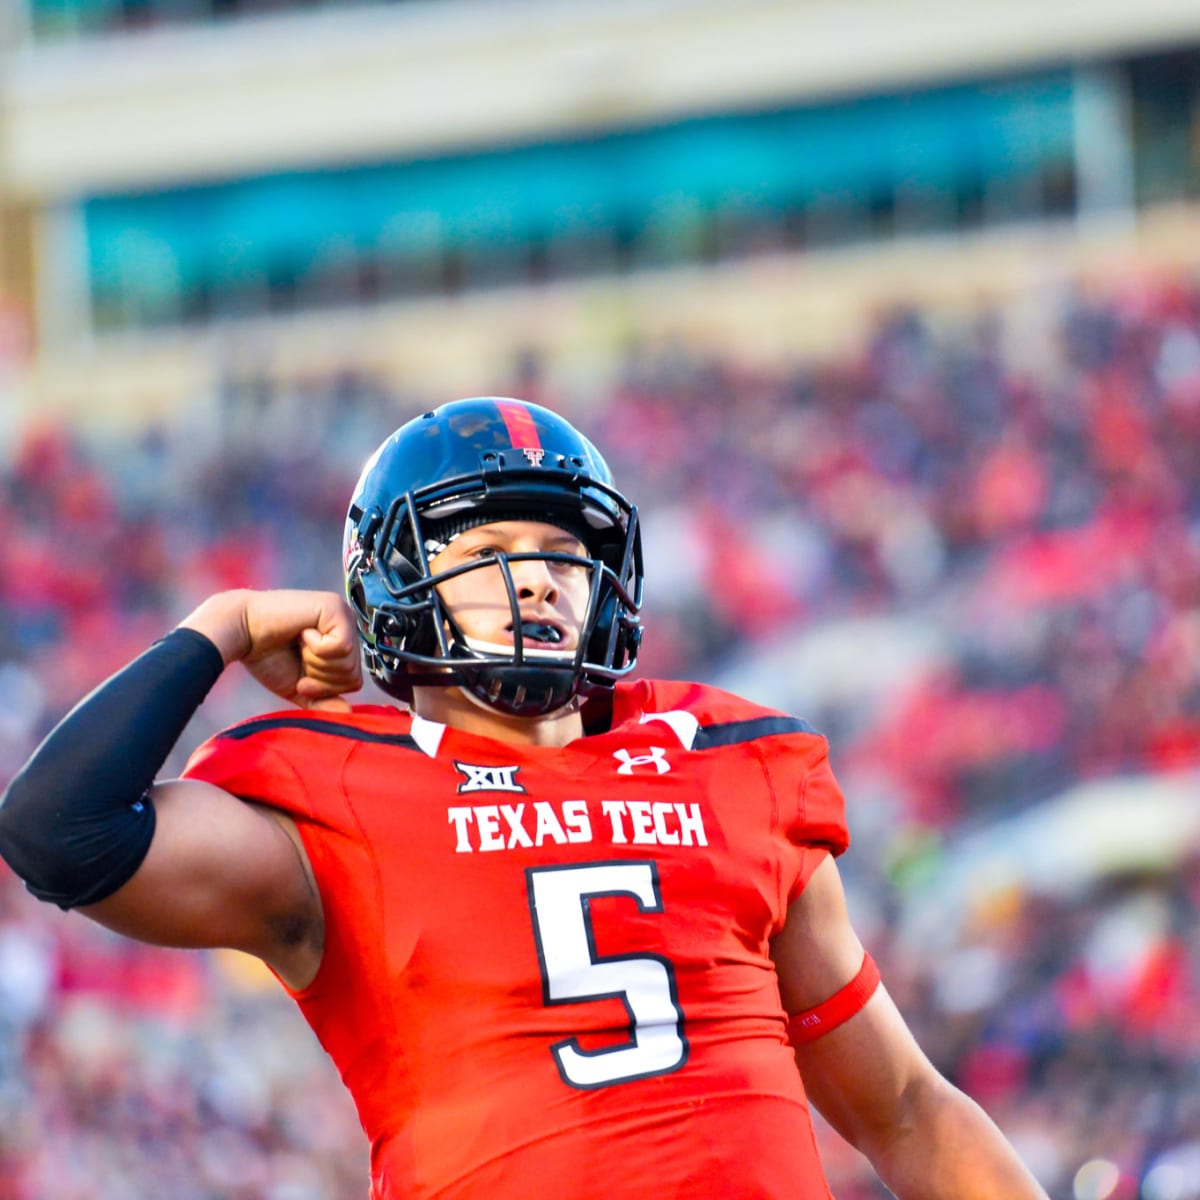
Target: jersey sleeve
(254,769)
(822,807)
(812,806)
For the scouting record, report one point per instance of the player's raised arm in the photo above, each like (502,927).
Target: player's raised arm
(865,1072)
(183,864)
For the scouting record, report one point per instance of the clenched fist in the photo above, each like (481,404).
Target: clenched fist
(301,645)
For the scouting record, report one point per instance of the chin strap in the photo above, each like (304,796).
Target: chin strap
(522,691)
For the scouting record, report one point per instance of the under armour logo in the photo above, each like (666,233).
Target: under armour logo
(657,758)
(488,779)
(534,456)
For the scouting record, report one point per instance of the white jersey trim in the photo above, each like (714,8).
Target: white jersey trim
(683,724)
(427,734)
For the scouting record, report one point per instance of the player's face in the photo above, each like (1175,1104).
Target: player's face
(552,596)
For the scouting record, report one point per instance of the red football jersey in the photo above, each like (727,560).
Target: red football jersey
(547,969)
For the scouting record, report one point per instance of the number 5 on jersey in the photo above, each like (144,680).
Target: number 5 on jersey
(572,971)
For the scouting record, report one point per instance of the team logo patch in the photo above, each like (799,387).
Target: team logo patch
(657,758)
(534,456)
(488,779)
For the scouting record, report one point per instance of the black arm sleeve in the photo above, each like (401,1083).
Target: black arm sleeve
(75,822)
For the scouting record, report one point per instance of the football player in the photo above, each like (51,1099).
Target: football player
(560,931)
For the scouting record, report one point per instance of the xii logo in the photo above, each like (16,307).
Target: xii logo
(488,779)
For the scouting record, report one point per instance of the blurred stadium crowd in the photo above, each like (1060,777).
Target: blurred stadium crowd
(1012,498)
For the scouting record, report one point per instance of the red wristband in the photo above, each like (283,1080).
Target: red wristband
(840,1007)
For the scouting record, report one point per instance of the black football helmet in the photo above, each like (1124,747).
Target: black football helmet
(471,461)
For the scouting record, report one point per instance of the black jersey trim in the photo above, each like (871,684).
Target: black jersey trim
(731,733)
(315,725)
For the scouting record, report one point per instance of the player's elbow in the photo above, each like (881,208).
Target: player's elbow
(66,849)
(16,802)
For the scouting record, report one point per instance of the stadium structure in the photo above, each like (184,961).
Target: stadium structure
(433,182)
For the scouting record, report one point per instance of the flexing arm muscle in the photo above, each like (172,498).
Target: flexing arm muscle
(197,866)
(220,872)
(873,1083)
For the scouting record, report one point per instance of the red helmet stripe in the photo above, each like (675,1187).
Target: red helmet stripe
(518,420)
